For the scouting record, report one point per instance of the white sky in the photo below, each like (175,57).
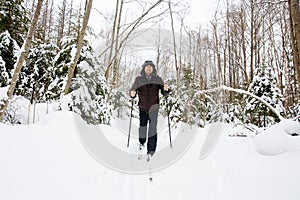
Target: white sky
(200,12)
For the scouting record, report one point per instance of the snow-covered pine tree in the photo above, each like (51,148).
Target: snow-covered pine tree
(195,108)
(264,85)
(62,62)
(9,50)
(14,19)
(90,93)
(121,101)
(36,77)
(172,105)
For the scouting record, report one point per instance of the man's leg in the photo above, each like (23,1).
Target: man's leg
(143,127)
(152,134)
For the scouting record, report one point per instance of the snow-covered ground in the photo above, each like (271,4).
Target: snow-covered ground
(48,161)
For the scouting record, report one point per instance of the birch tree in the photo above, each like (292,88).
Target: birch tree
(79,44)
(22,57)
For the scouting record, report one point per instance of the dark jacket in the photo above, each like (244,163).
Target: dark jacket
(148,90)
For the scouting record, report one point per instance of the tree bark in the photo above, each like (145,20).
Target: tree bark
(251,40)
(22,57)
(116,62)
(61,25)
(243,27)
(174,45)
(295,35)
(79,45)
(107,72)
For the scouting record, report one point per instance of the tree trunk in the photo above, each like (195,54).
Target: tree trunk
(79,45)
(22,57)
(174,45)
(61,25)
(116,63)
(295,35)
(251,40)
(107,72)
(220,81)
(243,27)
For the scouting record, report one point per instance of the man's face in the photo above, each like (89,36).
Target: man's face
(148,70)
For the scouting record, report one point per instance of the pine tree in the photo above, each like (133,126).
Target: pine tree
(172,105)
(195,108)
(14,19)
(21,59)
(8,57)
(36,77)
(62,62)
(264,85)
(90,93)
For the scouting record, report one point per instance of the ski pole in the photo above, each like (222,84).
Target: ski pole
(168,112)
(130,122)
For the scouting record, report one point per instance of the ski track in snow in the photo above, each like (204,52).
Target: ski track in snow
(47,161)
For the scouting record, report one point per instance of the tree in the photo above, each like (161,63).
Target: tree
(8,57)
(14,19)
(295,35)
(36,76)
(21,58)
(79,45)
(264,85)
(62,63)
(90,92)
(174,44)
(125,35)
(61,22)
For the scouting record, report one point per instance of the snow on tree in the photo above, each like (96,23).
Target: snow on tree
(121,101)
(21,58)
(9,51)
(264,85)
(62,62)
(173,106)
(36,77)
(90,93)
(195,108)
(14,19)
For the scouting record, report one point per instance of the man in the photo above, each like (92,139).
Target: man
(147,86)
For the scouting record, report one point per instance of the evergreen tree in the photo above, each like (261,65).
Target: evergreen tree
(9,50)
(90,93)
(195,108)
(14,19)
(62,62)
(36,77)
(172,105)
(264,85)
(121,101)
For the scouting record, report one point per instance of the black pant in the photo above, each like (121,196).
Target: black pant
(152,133)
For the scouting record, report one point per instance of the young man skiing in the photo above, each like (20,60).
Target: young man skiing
(147,86)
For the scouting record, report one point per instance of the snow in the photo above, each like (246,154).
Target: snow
(47,160)
(240,91)
(277,139)
(3,93)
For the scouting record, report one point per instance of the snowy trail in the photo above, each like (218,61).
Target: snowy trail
(47,161)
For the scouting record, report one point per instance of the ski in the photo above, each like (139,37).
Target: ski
(140,154)
(150,169)
(148,160)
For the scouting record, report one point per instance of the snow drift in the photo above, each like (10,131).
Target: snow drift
(278,139)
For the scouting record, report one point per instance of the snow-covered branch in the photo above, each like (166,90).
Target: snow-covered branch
(226,88)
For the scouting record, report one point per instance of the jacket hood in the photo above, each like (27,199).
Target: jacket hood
(148,62)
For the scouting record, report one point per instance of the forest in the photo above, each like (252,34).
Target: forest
(244,64)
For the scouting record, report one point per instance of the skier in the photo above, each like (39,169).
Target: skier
(147,86)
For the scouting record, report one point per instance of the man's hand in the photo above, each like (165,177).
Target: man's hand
(132,93)
(166,87)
